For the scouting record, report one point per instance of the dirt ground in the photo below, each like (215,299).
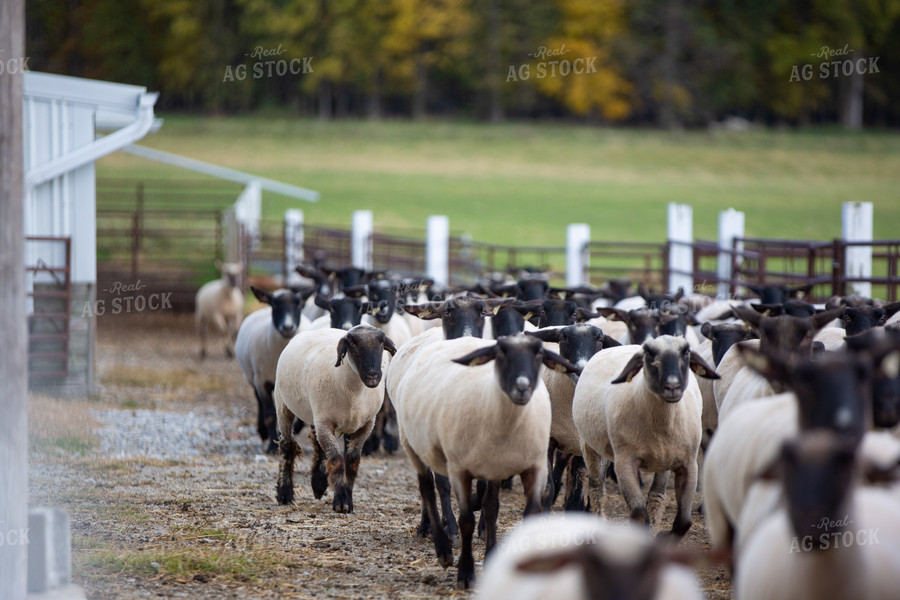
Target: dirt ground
(169,519)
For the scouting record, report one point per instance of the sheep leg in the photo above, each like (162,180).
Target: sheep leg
(449,521)
(336,466)
(222,328)
(318,477)
(285,487)
(203,328)
(260,421)
(353,455)
(596,467)
(656,496)
(490,508)
(269,417)
(462,487)
(628,474)
(442,546)
(534,480)
(685,486)
(390,430)
(559,467)
(575,491)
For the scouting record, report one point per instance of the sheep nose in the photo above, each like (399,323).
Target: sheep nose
(672,385)
(582,363)
(522,383)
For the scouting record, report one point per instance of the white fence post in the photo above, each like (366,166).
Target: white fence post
(856,226)
(731,225)
(578,236)
(437,249)
(361,239)
(681,254)
(293,241)
(248,211)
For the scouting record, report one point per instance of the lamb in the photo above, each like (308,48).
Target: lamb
(832,538)
(611,560)
(648,416)
(260,340)
(642,323)
(220,304)
(342,313)
(486,423)
(511,319)
(335,399)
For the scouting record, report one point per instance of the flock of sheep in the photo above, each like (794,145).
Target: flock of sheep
(784,413)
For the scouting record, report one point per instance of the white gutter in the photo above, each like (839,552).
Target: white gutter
(98,148)
(206,168)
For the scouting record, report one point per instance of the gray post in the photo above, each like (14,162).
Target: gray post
(361,239)
(578,236)
(731,225)
(681,254)
(437,249)
(13,365)
(856,226)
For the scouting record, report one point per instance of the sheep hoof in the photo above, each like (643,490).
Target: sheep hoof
(445,559)
(285,494)
(423,532)
(454,540)
(319,481)
(465,580)
(342,502)
(390,444)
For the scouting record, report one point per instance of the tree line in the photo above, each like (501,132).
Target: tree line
(668,63)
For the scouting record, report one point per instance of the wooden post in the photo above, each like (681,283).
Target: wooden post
(293,242)
(13,365)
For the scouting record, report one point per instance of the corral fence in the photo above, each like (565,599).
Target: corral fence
(167,236)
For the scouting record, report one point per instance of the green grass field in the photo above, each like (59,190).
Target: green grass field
(522,184)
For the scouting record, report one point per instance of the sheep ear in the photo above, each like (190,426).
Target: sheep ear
(768,310)
(748,315)
(891,309)
(554,361)
(261,295)
(609,342)
(545,335)
(323,302)
(549,563)
(478,357)
(426,311)
(679,294)
(631,369)
(342,348)
(706,330)
(701,367)
(824,318)
(766,365)
(582,314)
(389,346)
(614,314)
(495,305)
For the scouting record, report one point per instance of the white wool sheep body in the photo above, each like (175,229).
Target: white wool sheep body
(633,425)
(832,338)
(219,305)
(557,556)
(444,408)
(337,399)
(732,363)
(260,341)
(831,537)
